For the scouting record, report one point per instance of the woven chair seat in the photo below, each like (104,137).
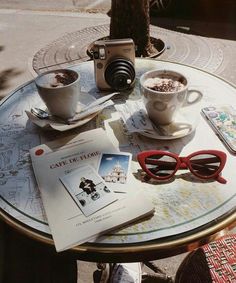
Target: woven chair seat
(212,263)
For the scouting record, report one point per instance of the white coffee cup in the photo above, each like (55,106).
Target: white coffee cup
(163,104)
(60,90)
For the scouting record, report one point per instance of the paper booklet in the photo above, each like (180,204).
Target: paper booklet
(80,204)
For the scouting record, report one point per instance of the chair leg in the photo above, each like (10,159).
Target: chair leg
(105,274)
(159,276)
(102,274)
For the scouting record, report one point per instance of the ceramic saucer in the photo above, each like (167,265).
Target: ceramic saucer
(55,124)
(184,124)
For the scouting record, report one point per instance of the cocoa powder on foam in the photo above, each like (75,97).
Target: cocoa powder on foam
(164,84)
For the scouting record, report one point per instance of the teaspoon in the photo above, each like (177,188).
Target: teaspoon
(40,113)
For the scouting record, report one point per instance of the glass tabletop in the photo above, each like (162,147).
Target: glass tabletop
(187,211)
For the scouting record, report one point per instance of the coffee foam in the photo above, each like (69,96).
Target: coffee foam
(57,79)
(164,84)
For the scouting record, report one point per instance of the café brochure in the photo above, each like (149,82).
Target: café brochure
(79,204)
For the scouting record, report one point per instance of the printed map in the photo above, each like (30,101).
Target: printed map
(181,204)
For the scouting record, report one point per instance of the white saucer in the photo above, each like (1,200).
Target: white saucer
(51,124)
(184,124)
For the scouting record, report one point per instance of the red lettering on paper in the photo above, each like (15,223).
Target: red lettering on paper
(39,151)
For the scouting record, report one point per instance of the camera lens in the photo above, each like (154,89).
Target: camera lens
(120,74)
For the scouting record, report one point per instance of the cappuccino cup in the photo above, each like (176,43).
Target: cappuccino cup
(164,92)
(60,90)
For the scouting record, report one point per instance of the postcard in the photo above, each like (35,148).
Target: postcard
(88,189)
(114,168)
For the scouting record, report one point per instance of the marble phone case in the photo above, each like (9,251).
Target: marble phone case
(222,118)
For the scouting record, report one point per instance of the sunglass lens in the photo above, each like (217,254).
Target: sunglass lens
(205,164)
(161,165)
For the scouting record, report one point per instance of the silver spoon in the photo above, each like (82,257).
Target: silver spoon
(40,113)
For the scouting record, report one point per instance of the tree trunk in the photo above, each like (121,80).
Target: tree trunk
(130,19)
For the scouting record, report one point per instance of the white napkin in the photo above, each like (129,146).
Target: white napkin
(135,116)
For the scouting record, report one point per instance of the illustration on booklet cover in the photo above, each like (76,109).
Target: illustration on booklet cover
(88,189)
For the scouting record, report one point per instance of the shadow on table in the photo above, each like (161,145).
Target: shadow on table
(205,18)
(29,261)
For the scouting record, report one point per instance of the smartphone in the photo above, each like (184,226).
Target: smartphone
(223,121)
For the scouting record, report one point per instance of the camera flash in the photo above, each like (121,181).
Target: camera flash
(102,53)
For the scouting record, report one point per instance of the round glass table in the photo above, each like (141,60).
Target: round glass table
(188,213)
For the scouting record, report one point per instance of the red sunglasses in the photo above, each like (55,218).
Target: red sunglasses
(162,165)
